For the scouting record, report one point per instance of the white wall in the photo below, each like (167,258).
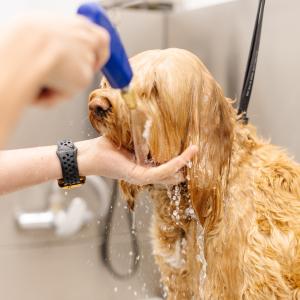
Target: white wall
(15,7)
(220,36)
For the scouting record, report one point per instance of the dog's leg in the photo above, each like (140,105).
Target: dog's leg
(175,249)
(129,193)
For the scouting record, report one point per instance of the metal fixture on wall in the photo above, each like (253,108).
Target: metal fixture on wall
(66,220)
(161,5)
(139,4)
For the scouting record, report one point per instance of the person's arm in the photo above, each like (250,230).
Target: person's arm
(26,167)
(45,58)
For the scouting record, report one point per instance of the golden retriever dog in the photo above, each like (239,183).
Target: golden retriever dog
(232,229)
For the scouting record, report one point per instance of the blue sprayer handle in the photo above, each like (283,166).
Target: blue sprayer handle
(117,70)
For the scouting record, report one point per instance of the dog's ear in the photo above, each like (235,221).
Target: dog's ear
(211,128)
(129,193)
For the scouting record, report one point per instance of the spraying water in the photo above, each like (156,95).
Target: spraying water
(201,259)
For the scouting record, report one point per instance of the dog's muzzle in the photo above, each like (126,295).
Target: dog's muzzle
(100,107)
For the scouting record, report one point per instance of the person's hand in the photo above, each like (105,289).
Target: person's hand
(55,56)
(101,157)
(45,58)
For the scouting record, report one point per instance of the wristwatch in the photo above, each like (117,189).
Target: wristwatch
(67,154)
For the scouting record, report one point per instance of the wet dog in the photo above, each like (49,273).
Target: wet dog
(232,229)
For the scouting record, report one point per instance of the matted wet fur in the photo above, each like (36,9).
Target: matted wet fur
(245,192)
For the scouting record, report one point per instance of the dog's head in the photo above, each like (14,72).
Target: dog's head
(184,105)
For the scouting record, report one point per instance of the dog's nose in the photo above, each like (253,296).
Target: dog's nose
(100,106)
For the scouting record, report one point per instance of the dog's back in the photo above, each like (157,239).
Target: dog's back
(253,253)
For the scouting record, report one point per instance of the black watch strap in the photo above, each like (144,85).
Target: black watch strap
(67,154)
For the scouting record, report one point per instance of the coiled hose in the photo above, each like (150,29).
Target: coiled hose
(104,247)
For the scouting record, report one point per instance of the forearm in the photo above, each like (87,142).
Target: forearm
(13,88)
(11,107)
(25,167)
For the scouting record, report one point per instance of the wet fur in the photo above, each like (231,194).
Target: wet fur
(245,191)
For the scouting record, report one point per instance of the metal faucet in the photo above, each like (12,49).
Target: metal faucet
(66,221)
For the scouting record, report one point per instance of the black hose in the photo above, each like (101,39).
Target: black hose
(104,250)
(251,64)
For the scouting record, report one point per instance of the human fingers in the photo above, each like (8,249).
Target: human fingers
(173,179)
(97,38)
(166,173)
(170,168)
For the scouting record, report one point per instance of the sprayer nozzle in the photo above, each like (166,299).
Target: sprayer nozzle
(130,98)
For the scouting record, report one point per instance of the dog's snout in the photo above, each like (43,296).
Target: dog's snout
(99,111)
(100,107)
